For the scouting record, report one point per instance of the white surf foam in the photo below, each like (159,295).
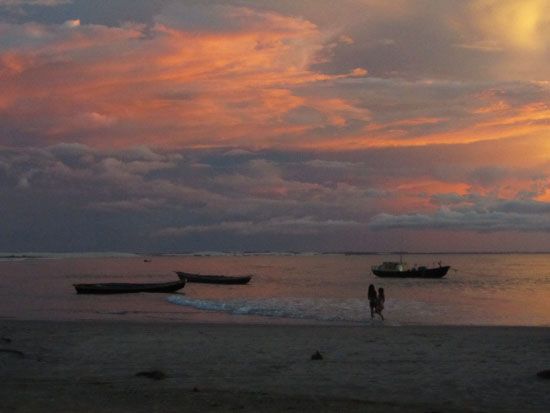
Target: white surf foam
(297,308)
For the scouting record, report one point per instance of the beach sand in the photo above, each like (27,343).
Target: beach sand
(91,366)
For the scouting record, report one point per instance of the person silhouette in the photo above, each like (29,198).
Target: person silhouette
(380,303)
(373,300)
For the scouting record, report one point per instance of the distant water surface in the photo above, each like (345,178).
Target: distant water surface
(491,289)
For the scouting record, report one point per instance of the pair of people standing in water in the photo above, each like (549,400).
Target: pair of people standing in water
(376,301)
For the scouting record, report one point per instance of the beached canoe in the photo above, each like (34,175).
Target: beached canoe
(123,288)
(213,279)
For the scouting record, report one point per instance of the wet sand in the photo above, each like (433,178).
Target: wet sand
(91,366)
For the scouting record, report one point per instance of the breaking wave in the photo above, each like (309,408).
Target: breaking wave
(351,310)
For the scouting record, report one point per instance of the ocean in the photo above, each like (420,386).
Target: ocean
(480,289)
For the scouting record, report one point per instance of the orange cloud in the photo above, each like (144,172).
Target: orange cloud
(175,88)
(488,123)
(253,86)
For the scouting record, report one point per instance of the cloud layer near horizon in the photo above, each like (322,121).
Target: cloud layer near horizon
(224,123)
(138,197)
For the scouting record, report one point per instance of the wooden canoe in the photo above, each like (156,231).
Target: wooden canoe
(124,288)
(213,279)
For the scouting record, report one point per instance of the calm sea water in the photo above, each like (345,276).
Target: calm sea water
(492,289)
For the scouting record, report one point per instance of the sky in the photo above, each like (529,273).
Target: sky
(175,126)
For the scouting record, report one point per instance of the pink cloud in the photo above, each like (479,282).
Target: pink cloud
(173,88)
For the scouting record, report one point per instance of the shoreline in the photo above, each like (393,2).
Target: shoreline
(92,366)
(229,321)
(221,318)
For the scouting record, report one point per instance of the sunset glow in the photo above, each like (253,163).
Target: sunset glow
(185,125)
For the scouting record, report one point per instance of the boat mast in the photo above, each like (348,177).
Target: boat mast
(401,249)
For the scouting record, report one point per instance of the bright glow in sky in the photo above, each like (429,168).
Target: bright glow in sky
(184,125)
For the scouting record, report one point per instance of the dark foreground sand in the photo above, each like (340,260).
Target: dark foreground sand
(92,366)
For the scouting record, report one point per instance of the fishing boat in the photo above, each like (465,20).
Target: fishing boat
(391,269)
(123,288)
(213,279)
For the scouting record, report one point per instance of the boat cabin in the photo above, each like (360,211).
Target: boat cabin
(391,266)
